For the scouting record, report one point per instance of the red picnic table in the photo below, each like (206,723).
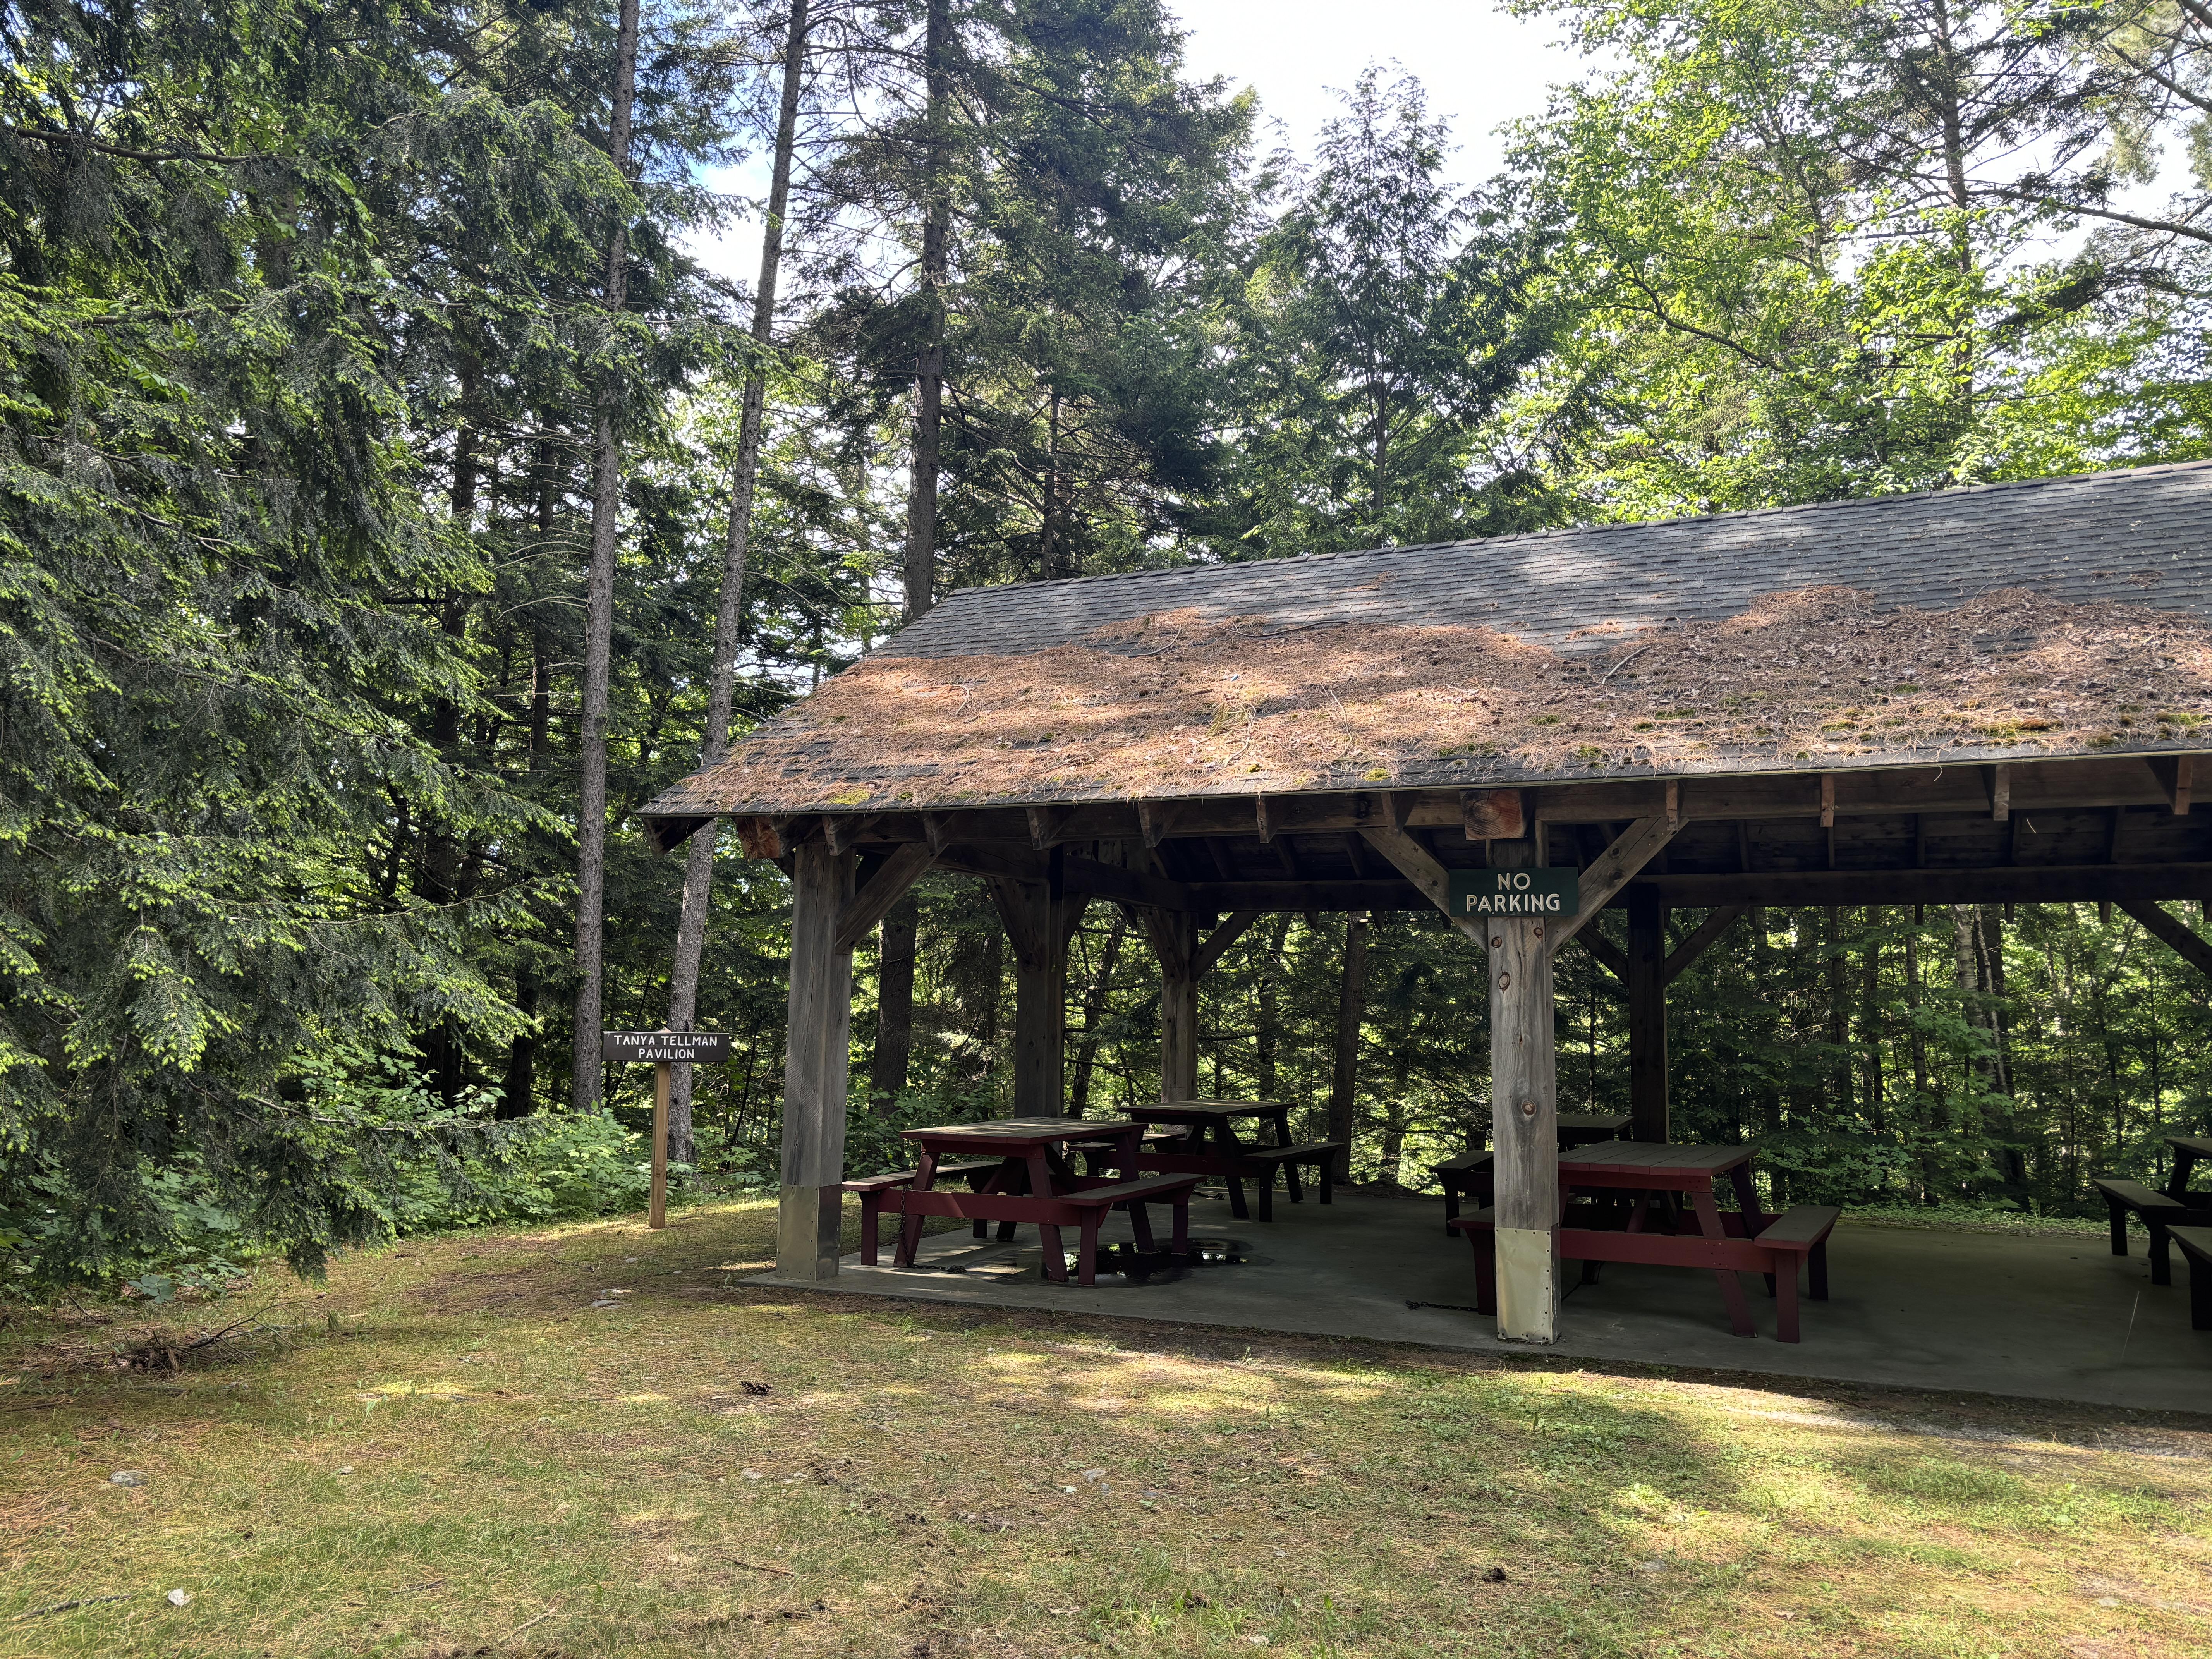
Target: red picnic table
(1646,1179)
(1210,1146)
(1034,1182)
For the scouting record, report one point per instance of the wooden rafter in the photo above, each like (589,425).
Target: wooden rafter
(1705,933)
(2164,925)
(858,916)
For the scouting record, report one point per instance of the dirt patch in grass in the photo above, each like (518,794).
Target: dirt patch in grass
(458,1453)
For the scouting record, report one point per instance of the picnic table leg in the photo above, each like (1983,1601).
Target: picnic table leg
(1709,1223)
(1326,1180)
(871,1205)
(1451,1198)
(2185,1165)
(1225,1145)
(2119,1226)
(1141,1225)
(1055,1258)
(1816,1272)
(1086,1252)
(1265,1186)
(1486,1271)
(1747,1200)
(1784,1279)
(1180,1238)
(1127,1148)
(2161,1263)
(2200,1298)
(925,1172)
(1011,1176)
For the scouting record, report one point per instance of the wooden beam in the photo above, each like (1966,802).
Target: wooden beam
(1090,876)
(2164,925)
(937,831)
(1827,800)
(858,916)
(817,1060)
(1154,820)
(2030,884)
(669,834)
(1492,814)
(2037,786)
(2173,781)
(1260,815)
(1610,956)
(1996,781)
(1397,808)
(1214,944)
(841,831)
(1612,868)
(1695,947)
(1045,825)
(1418,866)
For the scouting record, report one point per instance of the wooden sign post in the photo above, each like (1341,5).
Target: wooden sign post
(664,1049)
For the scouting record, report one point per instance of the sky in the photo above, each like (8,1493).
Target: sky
(1481,66)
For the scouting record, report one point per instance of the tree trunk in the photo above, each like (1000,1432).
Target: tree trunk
(439,879)
(599,606)
(894,1050)
(730,609)
(1265,1016)
(1350,1014)
(1094,1015)
(929,362)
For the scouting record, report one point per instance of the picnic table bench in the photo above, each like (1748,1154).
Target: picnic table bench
(2162,1212)
(1744,1240)
(2195,1244)
(1029,1181)
(1210,1147)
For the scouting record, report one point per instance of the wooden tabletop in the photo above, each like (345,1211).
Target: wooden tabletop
(1216,1109)
(1024,1131)
(2200,1144)
(1656,1158)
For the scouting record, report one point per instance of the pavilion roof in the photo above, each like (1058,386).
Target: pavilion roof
(2042,618)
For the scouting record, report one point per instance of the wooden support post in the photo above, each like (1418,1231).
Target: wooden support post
(1037,921)
(657,1209)
(1647,1015)
(1174,941)
(1524,1119)
(817,1056)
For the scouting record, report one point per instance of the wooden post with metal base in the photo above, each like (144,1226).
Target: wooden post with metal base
(1524,1117)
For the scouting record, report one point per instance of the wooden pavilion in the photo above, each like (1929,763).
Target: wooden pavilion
(1967,696)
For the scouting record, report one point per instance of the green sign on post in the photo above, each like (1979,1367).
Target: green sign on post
(1515,893)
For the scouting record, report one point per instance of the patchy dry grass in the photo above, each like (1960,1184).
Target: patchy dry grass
(448,1451)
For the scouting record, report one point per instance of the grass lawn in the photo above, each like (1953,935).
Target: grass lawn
(449,1450)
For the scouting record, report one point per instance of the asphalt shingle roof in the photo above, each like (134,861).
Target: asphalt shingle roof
(2060,615)
(2093,536)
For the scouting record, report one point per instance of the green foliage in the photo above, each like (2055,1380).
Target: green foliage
(299,324)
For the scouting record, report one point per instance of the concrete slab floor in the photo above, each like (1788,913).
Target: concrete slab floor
(2037,1317)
